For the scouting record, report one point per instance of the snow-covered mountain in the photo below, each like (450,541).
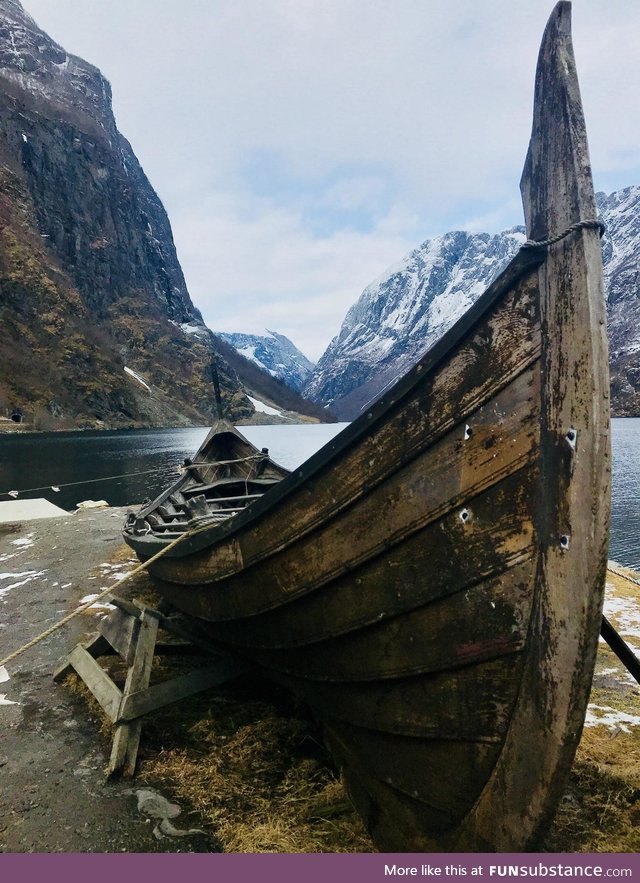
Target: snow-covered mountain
(274,353)
(400,315)
(621,257)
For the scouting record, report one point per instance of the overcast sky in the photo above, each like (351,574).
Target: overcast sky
(302,146)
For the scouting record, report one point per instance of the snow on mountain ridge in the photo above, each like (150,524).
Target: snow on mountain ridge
(275,354)
(405,310)
(402,313)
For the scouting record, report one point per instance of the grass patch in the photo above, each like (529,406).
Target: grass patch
(600,811)
(253,765)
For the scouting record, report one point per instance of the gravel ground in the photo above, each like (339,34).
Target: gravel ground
(54,795)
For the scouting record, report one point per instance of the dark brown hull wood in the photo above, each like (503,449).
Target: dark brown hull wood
(431,581)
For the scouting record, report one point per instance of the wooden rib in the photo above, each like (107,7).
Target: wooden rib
(472,703)
(443,477)
(501,348)
(484,622)
(447,776)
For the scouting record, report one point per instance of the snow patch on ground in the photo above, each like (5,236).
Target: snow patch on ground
(265,409)
(603,715)
(29,574)
(99,607)
(23,542)
(4,677)
(136,377)
(114,571)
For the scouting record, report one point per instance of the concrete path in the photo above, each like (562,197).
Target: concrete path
(12,511)
(53,794)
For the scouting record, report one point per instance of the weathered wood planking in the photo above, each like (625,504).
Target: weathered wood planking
(452,774)
(574,494)
(441,479)
(488,620)
(474,373)
(435,575)
(471,703)
(425,567)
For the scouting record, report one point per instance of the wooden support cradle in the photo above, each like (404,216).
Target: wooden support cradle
(131,630)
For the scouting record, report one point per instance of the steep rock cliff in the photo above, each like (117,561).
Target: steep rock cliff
(90,282)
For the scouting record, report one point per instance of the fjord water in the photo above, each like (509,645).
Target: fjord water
(128,466)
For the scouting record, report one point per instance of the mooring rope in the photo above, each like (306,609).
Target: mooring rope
(621,574)
(109,591)
(52,487)
(588,224)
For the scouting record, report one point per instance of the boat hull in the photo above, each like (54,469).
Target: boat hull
(431,582)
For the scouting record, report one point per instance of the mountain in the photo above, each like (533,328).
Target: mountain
(274,353)
(621,258)
(403,312)
(263,385)
(400,315)
(95,316)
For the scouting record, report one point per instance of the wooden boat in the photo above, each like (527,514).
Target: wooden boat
(431,581)
(226,475)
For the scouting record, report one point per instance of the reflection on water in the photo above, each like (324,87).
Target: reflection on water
(40,460)
(145,461)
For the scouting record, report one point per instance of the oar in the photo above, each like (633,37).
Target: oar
(620,647)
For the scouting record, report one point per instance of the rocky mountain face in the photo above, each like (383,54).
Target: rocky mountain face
(90,284)
(621,258)
(401,315)
(274,353)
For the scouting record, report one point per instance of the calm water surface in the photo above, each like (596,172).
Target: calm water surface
(40,460)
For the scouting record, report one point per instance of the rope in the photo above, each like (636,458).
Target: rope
(621,574)
(139,569)
(48,487)
(225,462)
(589,224)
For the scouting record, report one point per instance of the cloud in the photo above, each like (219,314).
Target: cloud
(301,146)
(253,267)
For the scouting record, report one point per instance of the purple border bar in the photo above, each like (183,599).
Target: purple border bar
(333,868)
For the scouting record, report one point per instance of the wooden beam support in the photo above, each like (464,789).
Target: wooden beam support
(127,739)
(145,701)
(96,646)
(97,680)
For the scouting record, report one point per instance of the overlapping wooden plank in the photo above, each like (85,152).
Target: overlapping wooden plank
(447,556)
(396,822)
(501,349)
(440,480)
(483,622)
(447,776)
(472,703)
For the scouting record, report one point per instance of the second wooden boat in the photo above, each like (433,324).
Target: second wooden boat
(431,581)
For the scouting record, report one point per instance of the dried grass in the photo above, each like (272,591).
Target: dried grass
(600,811)
(257,772)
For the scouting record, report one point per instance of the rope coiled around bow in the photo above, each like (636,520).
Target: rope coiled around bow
(588,224)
